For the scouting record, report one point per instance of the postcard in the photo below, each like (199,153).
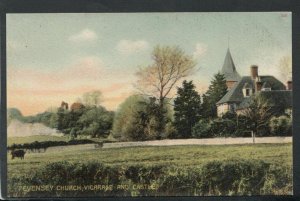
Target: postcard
(149,104)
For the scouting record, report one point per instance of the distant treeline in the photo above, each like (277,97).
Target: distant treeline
(94,121)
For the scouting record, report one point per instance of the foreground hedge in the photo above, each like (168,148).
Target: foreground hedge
(233,177)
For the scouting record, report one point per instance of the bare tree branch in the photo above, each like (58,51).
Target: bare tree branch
(170,65)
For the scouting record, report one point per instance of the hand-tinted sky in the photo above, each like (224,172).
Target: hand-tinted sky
(56,57)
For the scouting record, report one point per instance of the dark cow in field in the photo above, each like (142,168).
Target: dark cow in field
(18,153)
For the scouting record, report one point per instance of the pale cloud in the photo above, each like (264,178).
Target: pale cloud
(129,46)
(85,35)
(200,50)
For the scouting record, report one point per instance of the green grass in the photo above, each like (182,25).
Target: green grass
(185,155)
(181,166)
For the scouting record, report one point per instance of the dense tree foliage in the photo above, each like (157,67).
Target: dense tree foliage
(202,129)
(224,126)
(94,121)
(259,112)
(138,118)
(187,109)
(217,89)
(281,126)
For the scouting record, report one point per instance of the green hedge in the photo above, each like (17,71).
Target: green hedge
(46,144)
(232,177)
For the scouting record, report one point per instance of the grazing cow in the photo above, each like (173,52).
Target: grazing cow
(18,153)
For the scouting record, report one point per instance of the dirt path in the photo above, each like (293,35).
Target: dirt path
(211,141)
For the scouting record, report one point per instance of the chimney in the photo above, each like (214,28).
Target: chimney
(289,85)
(258,85)
(254,71)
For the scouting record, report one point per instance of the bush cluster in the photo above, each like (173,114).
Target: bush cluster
(281,126)
(231,125)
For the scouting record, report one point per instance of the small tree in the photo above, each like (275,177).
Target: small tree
(259,113)
(187,107)
(217,89)
(281,126)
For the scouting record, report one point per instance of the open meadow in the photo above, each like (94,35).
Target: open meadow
(263,161)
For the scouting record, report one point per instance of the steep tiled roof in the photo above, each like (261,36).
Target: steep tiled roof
(266,85)
(282,97)
(247,85)
(235,94)
(229,69)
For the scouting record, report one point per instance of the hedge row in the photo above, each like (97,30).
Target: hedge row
(46,144)
(232,177)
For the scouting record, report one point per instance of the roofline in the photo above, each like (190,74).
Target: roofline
(227,102)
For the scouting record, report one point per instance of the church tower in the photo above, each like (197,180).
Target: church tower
(229,70)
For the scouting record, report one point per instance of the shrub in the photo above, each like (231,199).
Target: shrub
(223,127)
(228,177)
(202,130)
(281,126)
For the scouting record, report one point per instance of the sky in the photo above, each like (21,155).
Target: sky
(57,57)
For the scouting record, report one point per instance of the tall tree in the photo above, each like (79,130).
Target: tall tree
(217,89)
(170,65)
(187,107)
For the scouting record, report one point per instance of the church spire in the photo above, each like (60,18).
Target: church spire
(229,69)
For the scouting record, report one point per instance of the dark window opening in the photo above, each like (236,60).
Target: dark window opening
(247,92)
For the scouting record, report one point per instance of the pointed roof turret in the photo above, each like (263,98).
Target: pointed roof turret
(229,69)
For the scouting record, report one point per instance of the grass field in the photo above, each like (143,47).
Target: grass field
(183,158)
(175,155)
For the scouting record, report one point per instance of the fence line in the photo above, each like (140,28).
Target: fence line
(208,141)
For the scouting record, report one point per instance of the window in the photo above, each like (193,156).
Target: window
(247,92)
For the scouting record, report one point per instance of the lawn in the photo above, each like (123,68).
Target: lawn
(186,155)
(177,166)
